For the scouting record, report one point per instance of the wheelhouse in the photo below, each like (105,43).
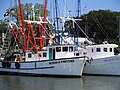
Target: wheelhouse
(55,52)
(100,51)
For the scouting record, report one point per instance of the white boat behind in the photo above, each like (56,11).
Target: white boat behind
(102,60)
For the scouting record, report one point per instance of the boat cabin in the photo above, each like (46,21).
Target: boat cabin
(55,52)
(100,51)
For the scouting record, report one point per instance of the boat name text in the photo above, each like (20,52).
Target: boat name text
(112,59)
(58,62)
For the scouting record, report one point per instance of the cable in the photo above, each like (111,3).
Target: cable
(99,25)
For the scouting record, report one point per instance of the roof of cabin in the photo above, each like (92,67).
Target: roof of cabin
(103,45)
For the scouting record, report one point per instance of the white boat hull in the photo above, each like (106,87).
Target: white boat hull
(103,66)
(60,67)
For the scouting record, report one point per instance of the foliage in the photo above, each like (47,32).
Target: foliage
(102,25)
(3,25)
(33,12)
(27,11)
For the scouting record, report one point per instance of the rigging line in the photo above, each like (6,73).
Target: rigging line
(58,8)
(51,6)
(64,2)
(15,41)
(14,44)
(10,3)
(16,9)
(82,31)
(55,8)
(66,7)
(65,13)
(73,9)
(98,23)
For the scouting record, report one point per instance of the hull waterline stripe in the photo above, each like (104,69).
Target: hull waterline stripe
(30,68)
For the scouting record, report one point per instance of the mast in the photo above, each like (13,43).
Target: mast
(56,8)
(75,28)
(22,21)
(79,8)
(44,25)
(45,6)
(65,9)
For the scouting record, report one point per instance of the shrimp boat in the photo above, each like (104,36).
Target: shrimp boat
(28,53)
(102,60)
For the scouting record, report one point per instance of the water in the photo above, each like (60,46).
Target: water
(44,83)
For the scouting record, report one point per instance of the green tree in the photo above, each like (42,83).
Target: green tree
(33,12)
(102,23)
(3,25)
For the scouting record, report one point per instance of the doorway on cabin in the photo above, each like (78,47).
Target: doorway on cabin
(51,53)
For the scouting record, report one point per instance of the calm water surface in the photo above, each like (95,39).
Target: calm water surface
(44,83)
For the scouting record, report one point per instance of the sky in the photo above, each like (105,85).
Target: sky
(68,7)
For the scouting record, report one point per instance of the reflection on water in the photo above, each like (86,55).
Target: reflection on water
(43,83)
(39,83)
(101,83)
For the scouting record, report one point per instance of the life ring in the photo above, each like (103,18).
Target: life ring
(8,64)
(4,64)
(17,65)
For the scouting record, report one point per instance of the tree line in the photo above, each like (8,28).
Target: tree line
(101,25)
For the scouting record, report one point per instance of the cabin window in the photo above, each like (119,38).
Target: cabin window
(44,54)
(92,49)
(110,49)
(58,49)
(29,55)
(39,54)
(105,49)
(70,49)
(98,49)
(65,49)
(77,54)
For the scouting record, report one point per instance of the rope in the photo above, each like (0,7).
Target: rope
(83,31)
(99,25)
